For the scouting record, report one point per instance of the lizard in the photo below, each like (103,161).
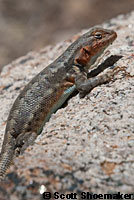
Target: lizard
(50,89)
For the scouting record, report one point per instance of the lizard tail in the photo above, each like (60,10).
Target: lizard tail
(5,161)
(6,157)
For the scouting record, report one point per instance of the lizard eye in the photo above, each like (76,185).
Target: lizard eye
(98,35)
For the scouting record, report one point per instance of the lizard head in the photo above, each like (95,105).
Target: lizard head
(92,44)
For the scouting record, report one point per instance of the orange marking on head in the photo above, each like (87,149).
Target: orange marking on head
(84,56)
(87,52)
(100,39)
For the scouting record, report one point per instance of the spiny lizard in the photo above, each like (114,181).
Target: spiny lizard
(50,89)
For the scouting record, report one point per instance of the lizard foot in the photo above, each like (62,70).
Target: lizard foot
(116,70)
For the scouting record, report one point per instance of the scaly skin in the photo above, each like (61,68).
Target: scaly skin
(49,89)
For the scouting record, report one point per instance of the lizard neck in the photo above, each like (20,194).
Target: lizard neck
(67,58)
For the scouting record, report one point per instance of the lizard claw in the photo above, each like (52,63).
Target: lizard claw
(117,69)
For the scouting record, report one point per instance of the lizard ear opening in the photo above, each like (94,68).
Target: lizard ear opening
(98,35)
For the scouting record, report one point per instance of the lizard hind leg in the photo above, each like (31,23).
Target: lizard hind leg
(23,141)
(12,148)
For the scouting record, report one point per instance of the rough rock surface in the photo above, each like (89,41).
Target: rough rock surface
(87,146)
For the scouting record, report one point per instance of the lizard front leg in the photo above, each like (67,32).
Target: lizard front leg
(84,85)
